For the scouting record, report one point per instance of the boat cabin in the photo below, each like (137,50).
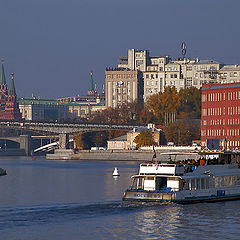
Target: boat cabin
(158,177)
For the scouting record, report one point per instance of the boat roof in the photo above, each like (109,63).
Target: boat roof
(214,170)
(156,175)
(179,153)
(215,152)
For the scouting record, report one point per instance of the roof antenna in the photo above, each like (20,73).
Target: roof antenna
(183,49)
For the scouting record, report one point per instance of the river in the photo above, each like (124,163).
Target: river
(71,200)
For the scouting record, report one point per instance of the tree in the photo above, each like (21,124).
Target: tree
(178,133)
(126,113)
(164,102)
(144,138)
(146,116)
(190,103)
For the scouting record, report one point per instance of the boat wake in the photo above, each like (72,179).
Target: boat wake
(42,214)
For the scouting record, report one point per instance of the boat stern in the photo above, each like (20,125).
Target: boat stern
(148,196)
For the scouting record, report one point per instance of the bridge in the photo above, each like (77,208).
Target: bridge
(62,129)
(28,143)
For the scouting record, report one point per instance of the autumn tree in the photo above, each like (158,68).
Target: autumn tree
(190,103)
(164,102)
(146,116)
(126,113)
(178,133)
(144,138)
(79,140)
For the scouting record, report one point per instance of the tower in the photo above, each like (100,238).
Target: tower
(3,89)
(9,109)
(12,108)
(91,89)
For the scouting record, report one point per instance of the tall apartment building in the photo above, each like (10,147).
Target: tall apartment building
(162,71)
(221,114)
(123,86)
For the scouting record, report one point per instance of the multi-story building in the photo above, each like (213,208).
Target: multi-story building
(36,109)
(221,114)
(9,109)
(229,74)
(123,86)
(160,72)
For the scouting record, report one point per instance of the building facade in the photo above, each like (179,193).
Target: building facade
(160,72)
(9,109)
(123,86)
(35,109)
(126,142)
(221,114)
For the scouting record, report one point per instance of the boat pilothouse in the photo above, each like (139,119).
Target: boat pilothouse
(213,177)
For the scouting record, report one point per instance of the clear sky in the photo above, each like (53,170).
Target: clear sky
(52,45)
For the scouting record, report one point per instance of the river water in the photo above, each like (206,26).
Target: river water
(46,200)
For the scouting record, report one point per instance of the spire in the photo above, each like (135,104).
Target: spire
(91,90)
(91,81)
(3,78)
(12,88)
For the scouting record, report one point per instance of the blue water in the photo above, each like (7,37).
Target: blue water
(45,200)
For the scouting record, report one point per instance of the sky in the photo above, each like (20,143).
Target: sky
(52,45)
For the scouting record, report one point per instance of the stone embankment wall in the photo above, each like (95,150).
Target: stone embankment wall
(130,155)
(12,152)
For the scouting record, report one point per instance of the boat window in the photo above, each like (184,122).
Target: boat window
(193,184)
(140,183)
(217,182)
(134,183)
(234,180)
(226,181)
(238,180)
(149,178)
(230,180)
(198,183)
(161,183)
(202,183)
(207,183)
(221,182)
(187,185)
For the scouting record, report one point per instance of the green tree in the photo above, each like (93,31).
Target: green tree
(144,138)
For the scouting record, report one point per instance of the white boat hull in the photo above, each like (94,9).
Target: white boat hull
(185,196)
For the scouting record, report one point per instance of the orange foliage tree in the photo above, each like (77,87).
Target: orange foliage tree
(164,102)
(144,138)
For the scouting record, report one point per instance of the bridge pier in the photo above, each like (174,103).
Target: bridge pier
(63,152)
(64,141)
(25,143)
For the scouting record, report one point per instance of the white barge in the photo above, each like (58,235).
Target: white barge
(213,177)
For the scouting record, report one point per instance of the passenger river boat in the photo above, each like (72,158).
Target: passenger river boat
(214,176)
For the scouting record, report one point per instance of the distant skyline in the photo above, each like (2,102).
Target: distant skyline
(52,45)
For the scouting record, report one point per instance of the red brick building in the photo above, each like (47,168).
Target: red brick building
(9,109)
(221,114)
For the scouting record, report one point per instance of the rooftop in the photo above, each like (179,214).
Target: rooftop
(235,67)
(206,62)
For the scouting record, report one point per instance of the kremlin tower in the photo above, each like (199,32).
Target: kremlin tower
(9,109)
